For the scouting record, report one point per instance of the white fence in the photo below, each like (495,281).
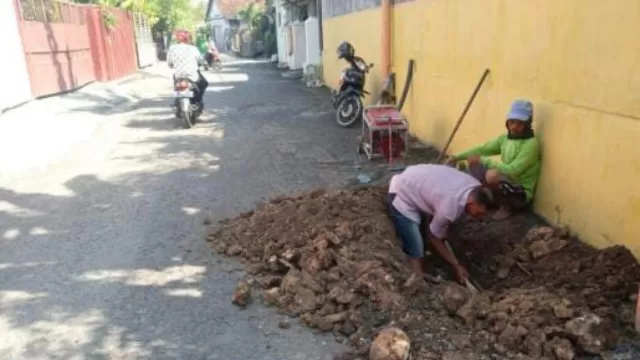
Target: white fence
(144,41)
(16,87)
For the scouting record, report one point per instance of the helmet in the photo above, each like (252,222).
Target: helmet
(182,36)
(345,50)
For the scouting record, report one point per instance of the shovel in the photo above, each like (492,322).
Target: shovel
(474,288)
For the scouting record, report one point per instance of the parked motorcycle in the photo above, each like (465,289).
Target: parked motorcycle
(187,109)
(348,99)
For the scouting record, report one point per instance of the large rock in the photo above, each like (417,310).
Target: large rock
(390,344)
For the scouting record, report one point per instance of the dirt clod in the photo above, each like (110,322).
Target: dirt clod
(454,297)
(332,258)
(242,294)
(390,344)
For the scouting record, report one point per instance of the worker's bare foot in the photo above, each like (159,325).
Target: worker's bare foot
(502,214)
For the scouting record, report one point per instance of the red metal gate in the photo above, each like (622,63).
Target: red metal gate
(56,45)
(114,52)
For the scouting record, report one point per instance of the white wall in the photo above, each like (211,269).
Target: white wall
(281,32)
(14,67)
(220,25)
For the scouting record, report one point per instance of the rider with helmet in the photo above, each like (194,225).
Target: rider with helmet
(183,58)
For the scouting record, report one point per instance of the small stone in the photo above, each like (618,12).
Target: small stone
(461,341)
(560,348)
(272,296)
(499,348)
(242,294)
(270,281)
(254,269)
(284,324)
(458,355)
(503,273)
(454,296)
(306,299)
(539,233)
(348,328)
(234,250)
(562,310)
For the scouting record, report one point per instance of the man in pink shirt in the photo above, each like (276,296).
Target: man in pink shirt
(441,192)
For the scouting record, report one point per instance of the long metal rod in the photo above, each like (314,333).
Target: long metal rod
(464,113)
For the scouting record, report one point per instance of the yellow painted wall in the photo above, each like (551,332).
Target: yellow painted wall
(367,44)
(578,61)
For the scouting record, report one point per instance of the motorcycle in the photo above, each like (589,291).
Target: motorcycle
(348,99)
(210,61)
(215,61)
(187,109)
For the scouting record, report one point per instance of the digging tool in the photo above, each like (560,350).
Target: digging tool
(475,288)
(462,116)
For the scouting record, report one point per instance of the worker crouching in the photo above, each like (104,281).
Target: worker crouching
(441,193)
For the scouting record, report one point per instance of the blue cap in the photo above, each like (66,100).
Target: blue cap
(520,110)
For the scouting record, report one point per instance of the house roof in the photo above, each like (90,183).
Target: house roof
(229,8)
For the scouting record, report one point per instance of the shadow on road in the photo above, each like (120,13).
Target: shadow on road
(112,263)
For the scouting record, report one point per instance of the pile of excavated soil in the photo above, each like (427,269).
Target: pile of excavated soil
(333,260)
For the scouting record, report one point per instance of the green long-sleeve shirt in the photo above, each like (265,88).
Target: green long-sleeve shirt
(520,159)
(202,45)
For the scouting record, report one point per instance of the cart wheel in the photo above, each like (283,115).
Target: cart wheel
(359,149)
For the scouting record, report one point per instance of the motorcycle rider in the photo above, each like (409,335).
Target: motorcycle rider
(183,58)
(212,54)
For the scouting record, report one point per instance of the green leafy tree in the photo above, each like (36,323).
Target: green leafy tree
(164,15)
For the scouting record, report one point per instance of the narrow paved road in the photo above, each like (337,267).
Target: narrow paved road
(101,211)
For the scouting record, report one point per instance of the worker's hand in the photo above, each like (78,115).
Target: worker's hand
(462,274)
(473,160)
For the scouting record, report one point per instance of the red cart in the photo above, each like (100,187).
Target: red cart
(385,133)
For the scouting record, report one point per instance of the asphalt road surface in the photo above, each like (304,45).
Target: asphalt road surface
(102,203)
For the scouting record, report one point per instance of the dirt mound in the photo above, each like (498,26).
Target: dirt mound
(332,259)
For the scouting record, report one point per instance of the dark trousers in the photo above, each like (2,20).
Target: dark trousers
(508,193)
(202,85)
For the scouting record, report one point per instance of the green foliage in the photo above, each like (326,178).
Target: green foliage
(253,15)
(164,15)
(109,19)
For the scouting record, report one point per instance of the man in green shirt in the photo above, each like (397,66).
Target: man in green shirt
(515,176)
(201,43)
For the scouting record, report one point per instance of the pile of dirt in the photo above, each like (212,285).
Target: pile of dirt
(333,260)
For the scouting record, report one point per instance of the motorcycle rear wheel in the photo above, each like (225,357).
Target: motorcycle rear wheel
(186,114)
(348,111)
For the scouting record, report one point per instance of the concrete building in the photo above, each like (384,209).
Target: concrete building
(577,60)
(299,33)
